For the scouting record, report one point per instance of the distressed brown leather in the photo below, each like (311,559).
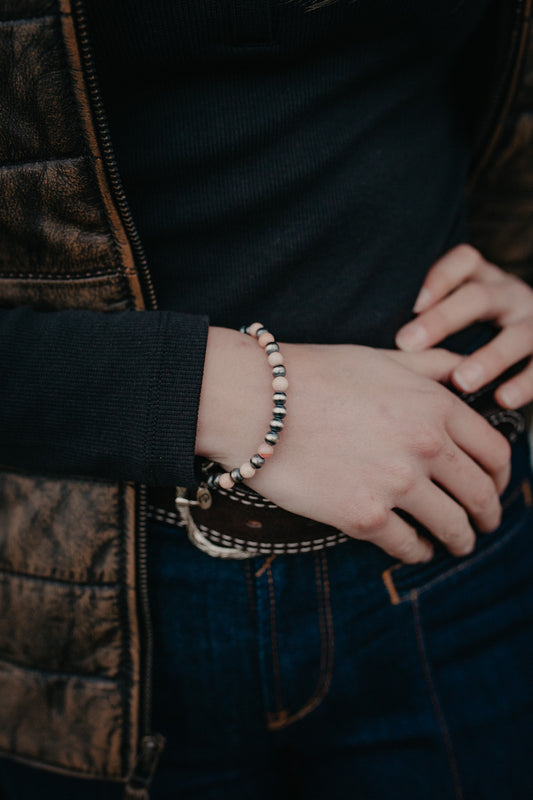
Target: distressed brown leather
(69,630)
(69,656)
(501,203)
(57,220)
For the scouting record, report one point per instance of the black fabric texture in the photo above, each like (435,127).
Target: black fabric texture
(302,167)
(109,395)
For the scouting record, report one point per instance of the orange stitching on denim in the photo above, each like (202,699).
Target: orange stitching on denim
(434,697)
(327,647)
(397,598)
(526,491)
(266,565)
(274,638)
(389,585)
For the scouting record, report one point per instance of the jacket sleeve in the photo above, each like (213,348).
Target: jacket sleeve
(88,386)
(105,395)
(501,203)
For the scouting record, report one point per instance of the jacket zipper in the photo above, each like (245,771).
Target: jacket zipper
(109,159)
(502,94)
(150,744)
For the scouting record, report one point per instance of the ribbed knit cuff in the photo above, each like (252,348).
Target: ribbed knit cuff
(174,401)
(106,395)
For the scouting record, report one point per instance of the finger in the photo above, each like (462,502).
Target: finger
(471,302)
(454,268)
(471,486)
(518,391)
(437,363)
(401,541)
(473,434)
(509,347)
(442,516)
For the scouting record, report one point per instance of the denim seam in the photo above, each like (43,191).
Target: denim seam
(452,761)
(327,649)
(397,597)
(250,589)
(274,641)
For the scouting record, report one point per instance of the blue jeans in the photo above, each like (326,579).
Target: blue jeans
(339,674)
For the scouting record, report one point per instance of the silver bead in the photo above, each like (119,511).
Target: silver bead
(260,331)
(214,480)
(257,461)
(279,371)
(276,425)
(273,347)
(244,329)
(279,412)
(236,476)
(272,437)
(279,398)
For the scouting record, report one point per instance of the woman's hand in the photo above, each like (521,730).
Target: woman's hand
(364,435)
(462,288)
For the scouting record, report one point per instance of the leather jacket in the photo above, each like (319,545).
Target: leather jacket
(75,640)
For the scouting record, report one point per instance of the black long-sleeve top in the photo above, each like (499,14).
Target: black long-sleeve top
(302,167)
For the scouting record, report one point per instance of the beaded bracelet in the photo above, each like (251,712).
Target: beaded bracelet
(265,340)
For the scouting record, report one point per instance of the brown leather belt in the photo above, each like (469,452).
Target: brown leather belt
(241,523)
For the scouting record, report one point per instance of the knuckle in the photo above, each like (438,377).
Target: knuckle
(502,454)
(428,441)
(484,495)
(468,252)
(457,531)
(372,516)
(402,477)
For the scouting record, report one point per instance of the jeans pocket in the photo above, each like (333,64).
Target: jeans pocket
(402,579)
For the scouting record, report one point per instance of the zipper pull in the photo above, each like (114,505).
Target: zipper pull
(138,785)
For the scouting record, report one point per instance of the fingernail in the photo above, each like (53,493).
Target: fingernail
(412,337)
(469,377)
(422,301)
(510,396)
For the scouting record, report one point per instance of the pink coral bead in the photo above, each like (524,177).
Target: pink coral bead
(226,481)
(254,327)
(280,384)
(264,339)
(265,450)
(275,359)
(246,470)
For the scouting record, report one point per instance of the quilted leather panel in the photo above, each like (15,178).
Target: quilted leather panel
(34,709)
(38,104)
(52,226)
(68,530)
(87,639)
(69,640)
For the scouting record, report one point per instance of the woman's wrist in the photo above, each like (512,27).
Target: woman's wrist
(235,400)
